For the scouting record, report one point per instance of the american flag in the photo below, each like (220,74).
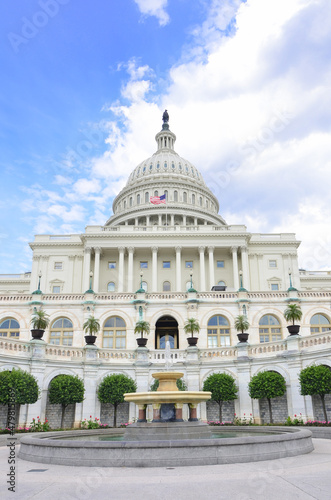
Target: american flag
(156,200)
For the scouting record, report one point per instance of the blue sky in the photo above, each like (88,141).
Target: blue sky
(246,84)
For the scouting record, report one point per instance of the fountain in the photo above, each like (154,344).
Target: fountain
(167,441)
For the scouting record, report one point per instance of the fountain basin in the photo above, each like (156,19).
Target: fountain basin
(55,449)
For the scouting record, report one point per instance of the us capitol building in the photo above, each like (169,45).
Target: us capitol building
(165,263)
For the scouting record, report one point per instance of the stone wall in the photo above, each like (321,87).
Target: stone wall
(279,409)
(227,411)
(107,414)
(318,409)
(4,415)
(54,412)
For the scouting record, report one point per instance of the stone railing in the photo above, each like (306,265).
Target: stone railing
(267,348)
(14,346)
(116,354)
(211,354)
(315,340)
(56,297)
(158,355)
(267,295)
(115,296)
(314,294)
(64,352)
(167,296)
(217,295)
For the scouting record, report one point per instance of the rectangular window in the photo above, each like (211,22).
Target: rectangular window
(58,266)
(272,263)
(274,286)
(220,263)
(56,289)
(166,264)
(111,265)
(189,264)
(143,265)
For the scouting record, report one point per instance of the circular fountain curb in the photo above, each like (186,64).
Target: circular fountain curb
(171,453)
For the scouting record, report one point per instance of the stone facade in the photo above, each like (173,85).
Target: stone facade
(166,263)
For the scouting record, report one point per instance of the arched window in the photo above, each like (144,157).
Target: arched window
(218,331)
(319,324)
(166,195)
(146,197)
(111,287)
(131,201)
(269,329)
(200,201)
(61,332)
(166,286)
(175,195)
(206,203)
(193,199)
(144,285)
(124,204)
(138,199)
(156,193)
(9,327)
(114,333)
(185,197)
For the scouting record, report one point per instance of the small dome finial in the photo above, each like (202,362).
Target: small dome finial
(165,119)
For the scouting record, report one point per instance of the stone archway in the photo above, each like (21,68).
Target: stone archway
(166,328)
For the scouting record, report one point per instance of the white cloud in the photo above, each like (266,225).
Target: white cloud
(154,8)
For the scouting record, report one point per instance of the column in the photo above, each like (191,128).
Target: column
(179,412)
(156,412)
(184,220)
(97,252)
(130,269)
(244,262)
(178,269)
(147,220)
(142,413)
(136,221)
(172,220)
(44,278)
(120,286)
(154,269)
(35,273)
(87,264)
(160,220)
(262,282)
(235,268)
(195,221)
(211,267)
(202,269)
(70,285)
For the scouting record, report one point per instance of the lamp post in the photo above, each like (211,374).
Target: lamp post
(39,276)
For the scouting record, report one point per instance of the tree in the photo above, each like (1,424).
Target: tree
(267,385)
(66,390)
(17,387)
(112,390)
(241,323)
(316,380)
(222,387)
(293,313)
(191,326)
(181,386)
(91,325)
(142,327)
(40,320)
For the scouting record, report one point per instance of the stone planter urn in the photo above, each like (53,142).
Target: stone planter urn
(242,337)
(293,329)
(192,341)
(141,342)
(37,334)
(90,339)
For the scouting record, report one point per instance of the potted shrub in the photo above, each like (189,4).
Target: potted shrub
(39,322)
(91,327)
(293,313)
(142,327)
(241,324)
(192,326)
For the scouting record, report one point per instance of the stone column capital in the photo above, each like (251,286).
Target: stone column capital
(211,249)
(131,250)
(97,250)
(87,250)
(178,249)
(234,249)
(121,249)
(155,249)
(243,248)
(201,249)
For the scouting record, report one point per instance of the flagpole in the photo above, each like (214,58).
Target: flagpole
(166,211)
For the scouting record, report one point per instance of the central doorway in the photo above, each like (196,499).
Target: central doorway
(166,328)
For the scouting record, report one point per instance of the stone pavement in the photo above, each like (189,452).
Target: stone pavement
(302,478)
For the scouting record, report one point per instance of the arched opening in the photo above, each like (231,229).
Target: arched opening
(166,328)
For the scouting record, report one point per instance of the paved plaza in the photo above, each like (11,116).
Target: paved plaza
(305,477)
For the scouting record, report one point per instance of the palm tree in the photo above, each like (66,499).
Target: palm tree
(191,326)
(40,320)
(142,327)
(91,325)
(241,323)
(293,313)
